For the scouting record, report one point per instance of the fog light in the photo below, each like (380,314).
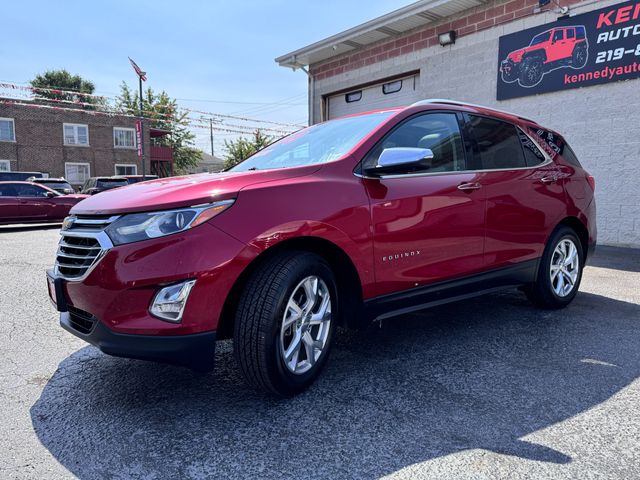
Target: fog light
(169,302)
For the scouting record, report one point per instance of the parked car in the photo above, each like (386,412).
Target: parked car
(18,176)
(354,220)
(100,184)
(60,185)
(140,178)
(28,202)
(551,49)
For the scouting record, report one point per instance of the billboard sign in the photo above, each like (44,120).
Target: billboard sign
(597,47)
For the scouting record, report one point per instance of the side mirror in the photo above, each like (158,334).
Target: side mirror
(50,194)
(400,160)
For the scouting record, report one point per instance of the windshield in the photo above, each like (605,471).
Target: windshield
(541,38)
(112,183)
(316,144)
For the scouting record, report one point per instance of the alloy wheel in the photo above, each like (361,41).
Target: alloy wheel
(565,267)
(306,324)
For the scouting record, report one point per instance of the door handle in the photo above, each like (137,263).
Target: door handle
(549,179)
(469,186)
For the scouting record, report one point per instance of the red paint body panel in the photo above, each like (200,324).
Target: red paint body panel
(15,209)
(375,222)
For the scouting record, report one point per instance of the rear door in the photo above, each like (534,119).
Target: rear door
(386,94)
(9,204)
(523,189)
(425,227)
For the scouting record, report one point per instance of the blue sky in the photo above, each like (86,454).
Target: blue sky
(207,54)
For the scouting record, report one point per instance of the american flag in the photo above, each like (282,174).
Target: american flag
(141,74)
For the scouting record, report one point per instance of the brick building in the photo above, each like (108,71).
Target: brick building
(400,58)
(76,144)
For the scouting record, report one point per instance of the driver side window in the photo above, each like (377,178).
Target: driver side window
(438,132)
(30,191)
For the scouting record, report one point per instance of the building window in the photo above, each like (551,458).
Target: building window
(77,173)
(5,165)
(124,137)
(353,96)
(76,134)
(7,130)
(392,87)
(126,169)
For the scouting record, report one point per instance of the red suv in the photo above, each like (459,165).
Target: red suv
(354,220)
(551,49)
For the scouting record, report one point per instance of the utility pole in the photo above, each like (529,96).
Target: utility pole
(142,76)
(211,133)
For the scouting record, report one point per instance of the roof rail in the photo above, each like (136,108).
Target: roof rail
(429,101)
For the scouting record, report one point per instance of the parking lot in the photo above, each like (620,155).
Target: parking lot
(487,388)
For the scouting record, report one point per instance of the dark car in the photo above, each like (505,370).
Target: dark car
(60,185)
(139,178)
(100,184)
(18,176)
(358,219)
(27,202)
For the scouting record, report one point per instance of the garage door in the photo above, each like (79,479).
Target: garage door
(395,93)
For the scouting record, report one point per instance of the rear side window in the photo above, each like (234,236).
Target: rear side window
(7,191)
(571,33)
(580,32)
(496,144)
(570,156)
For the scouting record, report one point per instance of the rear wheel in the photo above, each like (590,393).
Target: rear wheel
(284,323)
(579,57)
(531,71)
(560,271)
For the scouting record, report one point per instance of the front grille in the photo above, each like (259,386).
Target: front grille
(80,320)
(82,244)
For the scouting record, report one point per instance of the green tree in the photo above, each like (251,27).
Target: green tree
(63,80)
(163,113)
(242,148)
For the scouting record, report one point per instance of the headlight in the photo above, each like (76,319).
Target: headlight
(143,226)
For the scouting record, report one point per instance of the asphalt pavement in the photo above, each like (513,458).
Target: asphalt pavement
(486,388)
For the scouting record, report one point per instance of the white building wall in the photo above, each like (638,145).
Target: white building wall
(601,123)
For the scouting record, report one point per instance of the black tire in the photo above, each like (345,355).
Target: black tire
(259,318)
(531,71)
(579,57)
(542,293)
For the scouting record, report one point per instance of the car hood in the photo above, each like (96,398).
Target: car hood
(176,192)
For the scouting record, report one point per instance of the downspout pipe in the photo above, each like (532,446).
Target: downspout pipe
(311,85)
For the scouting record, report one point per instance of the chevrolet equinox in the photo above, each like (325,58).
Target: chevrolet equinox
(354,220)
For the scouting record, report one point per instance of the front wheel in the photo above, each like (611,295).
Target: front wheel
(285,322)
(560,271)
(531,71)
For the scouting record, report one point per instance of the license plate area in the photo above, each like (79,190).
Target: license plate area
(56,292)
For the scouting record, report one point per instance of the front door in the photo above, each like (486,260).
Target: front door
(428,225)
(34,203)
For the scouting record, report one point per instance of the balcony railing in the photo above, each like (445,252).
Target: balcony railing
(161,153)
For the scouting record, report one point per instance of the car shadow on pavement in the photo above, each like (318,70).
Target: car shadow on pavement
(28,228)
(480,374)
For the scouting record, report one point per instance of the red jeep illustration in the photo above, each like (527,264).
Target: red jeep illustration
(555,48)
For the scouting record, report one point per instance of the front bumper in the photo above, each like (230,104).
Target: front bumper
(508,67)
(195,351)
